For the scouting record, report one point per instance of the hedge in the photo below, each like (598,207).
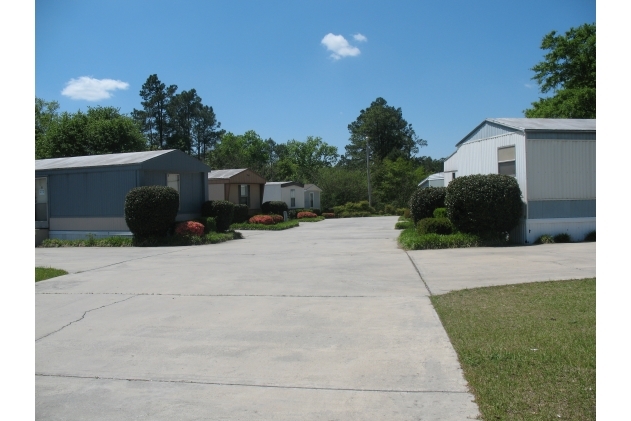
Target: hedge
(435,226)
(150,211)
(275,206)
(487,204)
(241,214)
(221,210)
(424,200)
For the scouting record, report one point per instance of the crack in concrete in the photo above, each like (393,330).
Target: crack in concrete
(125,261)
(81,318)
(272,386)
(419,274)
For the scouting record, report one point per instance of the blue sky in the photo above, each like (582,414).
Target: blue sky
(265,66)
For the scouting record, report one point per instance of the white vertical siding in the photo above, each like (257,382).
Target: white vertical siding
(561,169)
(480,157)
(272,192)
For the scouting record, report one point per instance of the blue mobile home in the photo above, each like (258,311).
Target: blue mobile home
(84,195)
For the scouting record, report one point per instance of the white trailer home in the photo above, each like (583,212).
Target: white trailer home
(290,192)
(554,162)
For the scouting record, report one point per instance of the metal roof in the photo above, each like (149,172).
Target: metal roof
(225,173)
(285,183)
(98,160)
(436,176)
(571,124)
(312,187)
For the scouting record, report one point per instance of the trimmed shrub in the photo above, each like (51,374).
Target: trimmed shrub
(403,225)
(241,214)
(208,222)
(435,226)
(151,210)
(545,239)
(328,215)
(306,215)
(221,210)
(562,238)
(277,218)
(488,204)
(262,219)
(190,228)
(424,201)
(389,210)
(440,213)
(275,206)
(591,236)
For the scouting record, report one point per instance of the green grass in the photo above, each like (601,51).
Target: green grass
(402,225)
(90,242)
(42,273)
(276,227)
(316,219)
(528,351)
(410,239)
(210,238)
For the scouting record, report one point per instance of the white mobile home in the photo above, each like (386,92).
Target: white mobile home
(554,162)
(290,192)
(434,180)
(312,196)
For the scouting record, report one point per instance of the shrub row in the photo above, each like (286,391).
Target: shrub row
(221,210)
(275,206)
(563,238)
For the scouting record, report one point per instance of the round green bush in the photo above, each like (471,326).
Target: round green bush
(276,207)
(440,213)
(425,200)
(150,211)
(241,214)
(545,239)
(591,236)
(435,226)
(221,210)
(487,204)
(562,238)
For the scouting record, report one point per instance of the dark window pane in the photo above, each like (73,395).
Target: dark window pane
(506,168)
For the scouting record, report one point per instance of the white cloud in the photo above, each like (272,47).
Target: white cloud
(528,85)
(91,89)
(360,38)
(339,46)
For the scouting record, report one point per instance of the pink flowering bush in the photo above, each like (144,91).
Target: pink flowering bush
(189,228)
(262,219)
(306,215)
(277,218)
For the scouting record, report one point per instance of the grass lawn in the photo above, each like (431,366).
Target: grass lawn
(316,219)
(528,351)
(276,227)
(175,240)
(42,273)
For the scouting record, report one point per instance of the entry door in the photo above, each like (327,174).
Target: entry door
(41,203)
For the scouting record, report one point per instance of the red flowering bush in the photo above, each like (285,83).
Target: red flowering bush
(328,215)
(262,219)
(277,218)
(306,215)
(189,228)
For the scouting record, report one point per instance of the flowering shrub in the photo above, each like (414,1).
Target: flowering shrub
(190,228)
(306,215)
(328,215)
(277,218)
(262,219)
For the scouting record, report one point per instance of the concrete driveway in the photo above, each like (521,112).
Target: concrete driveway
(327,321)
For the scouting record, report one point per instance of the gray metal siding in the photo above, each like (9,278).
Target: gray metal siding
(191,193)
(153,178)
(100,193)
(546,209)
(562,135)
(487,130)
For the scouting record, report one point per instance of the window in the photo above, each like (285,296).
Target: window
(173,181)
(506,161)
(244,194)
(311,199)
(292,197)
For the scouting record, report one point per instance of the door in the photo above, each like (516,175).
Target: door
(41,202)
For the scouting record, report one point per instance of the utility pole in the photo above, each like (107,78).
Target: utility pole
(368,172)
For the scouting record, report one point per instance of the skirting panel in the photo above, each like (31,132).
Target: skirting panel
(529,230)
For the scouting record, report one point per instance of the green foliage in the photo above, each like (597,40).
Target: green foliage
(46,114)
(209,224)
(221,210)
(187,240)
(545,239)
(403,225)
(90,242)
(435,226)
(341,185)
(151,210)
(484,204)
(102,130)
(358,208)
(42,273)
(241,213)
(389,135)
(276,227)
(424,200)
(394,181)
(562,238)
(440,213)
(301,161)
(410,239)
(591,236)
(276,207)
(569,69)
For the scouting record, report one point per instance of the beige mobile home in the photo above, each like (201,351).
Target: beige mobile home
(239,186)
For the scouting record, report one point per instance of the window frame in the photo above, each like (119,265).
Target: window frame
(292,198)
(247,195)
(179,195)
(502,163)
